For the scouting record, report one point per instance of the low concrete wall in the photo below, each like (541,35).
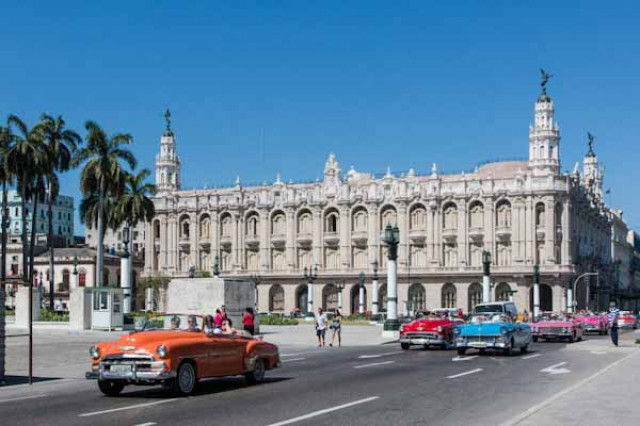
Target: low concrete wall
(205,295)
(22,306)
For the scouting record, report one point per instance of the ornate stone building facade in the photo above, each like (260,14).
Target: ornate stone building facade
(523,212)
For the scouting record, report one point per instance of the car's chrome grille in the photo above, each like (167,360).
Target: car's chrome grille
(551,330)
(422,336)
(472,339)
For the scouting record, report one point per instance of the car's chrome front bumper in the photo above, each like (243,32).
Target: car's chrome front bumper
(131,371)
(483,344)
(423,340)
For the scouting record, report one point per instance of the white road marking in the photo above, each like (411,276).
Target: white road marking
(598,352)
(22,398)
(466,373)
(554,369)
(374,364)
(325,411)
(532,356)
(147,424)
(297,353)
(293,359)
(129,407)
(529,412)
(464,358)
(378,355)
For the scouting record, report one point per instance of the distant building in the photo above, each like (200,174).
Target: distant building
(113,239)
(63,210)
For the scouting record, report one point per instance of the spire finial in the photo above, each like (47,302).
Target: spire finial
(544,79)
(590,138)
(167,117)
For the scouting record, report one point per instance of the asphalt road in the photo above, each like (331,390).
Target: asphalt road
(346,386)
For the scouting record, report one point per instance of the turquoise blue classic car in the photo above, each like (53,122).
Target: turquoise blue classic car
(492,330)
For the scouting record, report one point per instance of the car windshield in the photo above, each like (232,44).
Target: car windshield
(181,322)
(552,316)
(488,308)
(479,318)
(431,315)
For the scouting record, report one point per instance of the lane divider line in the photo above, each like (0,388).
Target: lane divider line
(373,364)
(464,358)
(379,355)
(293,359)
(531,356)
(325,411)
(466,373)
(534,409)
(129,407)
(22,398)
(147,424)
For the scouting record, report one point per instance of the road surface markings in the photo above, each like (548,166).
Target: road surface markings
(374,364)
(464,358)
(128,407)
(22,397)
(293,359)
(325,411)
(598,352)
(555,369)
(297,353)
(528,413)
(147,424)
(378,355)
(531,356)
(466,373)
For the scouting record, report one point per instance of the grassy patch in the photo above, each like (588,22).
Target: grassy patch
(277,320)
(49,316)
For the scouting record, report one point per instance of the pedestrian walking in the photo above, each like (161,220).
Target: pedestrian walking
(321,327)
(613,315)
(336,328)
(248,319)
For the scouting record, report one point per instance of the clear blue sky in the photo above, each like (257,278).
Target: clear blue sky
(257,88)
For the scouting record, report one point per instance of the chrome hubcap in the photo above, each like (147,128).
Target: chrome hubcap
(186,378)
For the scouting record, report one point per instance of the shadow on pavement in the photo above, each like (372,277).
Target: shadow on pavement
(21,380)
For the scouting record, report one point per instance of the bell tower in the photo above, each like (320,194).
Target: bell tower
(544,135)
(167,160)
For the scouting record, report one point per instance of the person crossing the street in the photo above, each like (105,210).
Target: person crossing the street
(613,315)
(321,327)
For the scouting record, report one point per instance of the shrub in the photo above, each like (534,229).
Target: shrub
(277,320)
(50,316)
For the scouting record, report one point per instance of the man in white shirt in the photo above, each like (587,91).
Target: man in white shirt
(321,326)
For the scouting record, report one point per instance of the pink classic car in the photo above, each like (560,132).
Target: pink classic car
(593,323)
(556,326)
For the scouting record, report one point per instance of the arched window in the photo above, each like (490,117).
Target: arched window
(184,228)
(305,222)
(355,299)
(302,296)
(388,215)
(331,221)
(503,292)
(82,278)
(475,295)
(205,227)
(476,215)
(418,217)
(329,297)
(449,298)
(278,224)
(417,297)
(156,229)
(276,298)
(359,220)
(503,214)
(540,219)
(450,216)
(64,287)
(252,225)
(225,225)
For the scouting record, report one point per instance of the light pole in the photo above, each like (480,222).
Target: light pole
(339,288)
(216,267)
(255,278)
(536,291)
(361,293)
(125,274)
(392,239)
(571,297)
(375,309)
(310,275)
(486,276)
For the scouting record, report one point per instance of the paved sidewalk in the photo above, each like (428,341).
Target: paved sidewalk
(305,335)
(608,397)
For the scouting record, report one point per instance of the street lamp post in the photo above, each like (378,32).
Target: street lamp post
(216,267)
(125,274)
(536,291)
(571,296)
(392,239)
(486,276)
(310,275)
(255,278)
(361,293)
(375,309)
(339,288)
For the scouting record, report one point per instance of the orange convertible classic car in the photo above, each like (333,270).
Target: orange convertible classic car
(174,350)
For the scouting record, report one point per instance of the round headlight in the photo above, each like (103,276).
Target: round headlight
(162,351)
(503,330)
(439,329)
(456,331)
(94,352)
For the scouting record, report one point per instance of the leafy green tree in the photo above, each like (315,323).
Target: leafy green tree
(6,141)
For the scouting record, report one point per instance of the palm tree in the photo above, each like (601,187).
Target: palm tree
(102,174)
(6,141)
(61,144)
(22,161)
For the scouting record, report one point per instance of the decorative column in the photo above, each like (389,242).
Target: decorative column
(318,255)
(536,291)
(375,309)
(550,231)
(361,293)
(463,222)
(290,246)
(310,275)
(374,234)
(345,238)
(570,299)
(403,227)
(392,325)
(125,273)
(339,288)
(486,276)
(264,240)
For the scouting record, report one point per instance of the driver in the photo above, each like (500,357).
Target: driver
(175,322)
(192,324)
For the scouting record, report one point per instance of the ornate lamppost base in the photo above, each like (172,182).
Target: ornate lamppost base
(391,329)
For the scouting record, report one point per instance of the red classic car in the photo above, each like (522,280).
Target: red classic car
(556,326)
(429,328)
(626,319)
(175,350)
